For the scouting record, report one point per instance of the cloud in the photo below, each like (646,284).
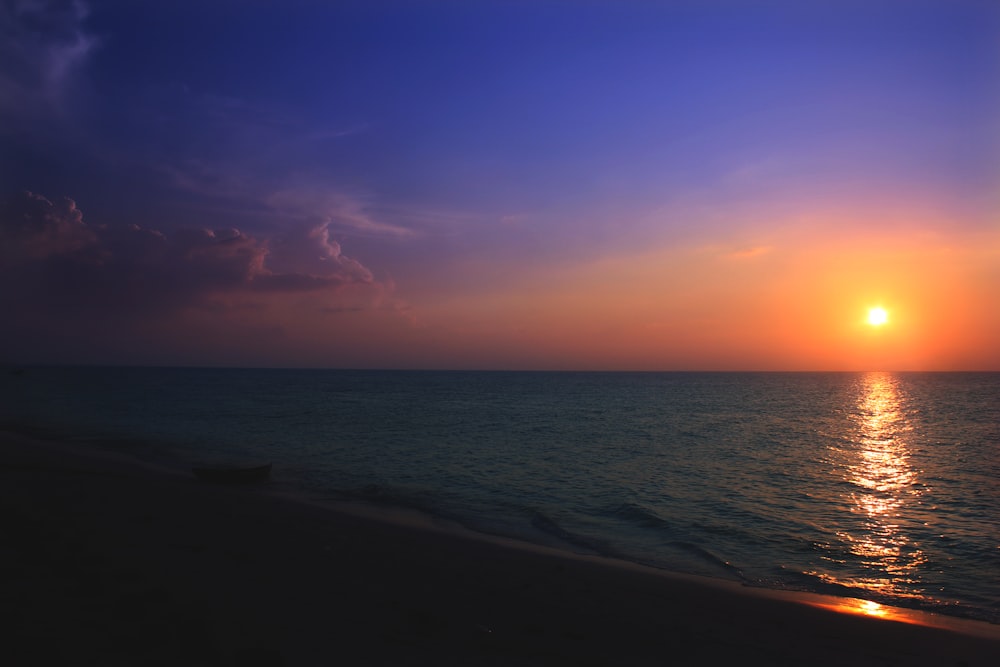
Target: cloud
(54,259)
(311,249)
(34,228)
(44,43)
(749,252)
(328,134)
(332,210)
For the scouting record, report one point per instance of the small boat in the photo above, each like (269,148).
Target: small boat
(233,474)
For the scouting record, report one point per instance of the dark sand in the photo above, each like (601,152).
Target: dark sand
(107,563)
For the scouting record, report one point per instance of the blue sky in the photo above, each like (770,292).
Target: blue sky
(405,155)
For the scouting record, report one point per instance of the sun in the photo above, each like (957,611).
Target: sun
(877,317)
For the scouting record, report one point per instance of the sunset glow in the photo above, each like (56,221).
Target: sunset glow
(632,186)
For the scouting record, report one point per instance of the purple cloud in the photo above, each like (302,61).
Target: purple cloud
(53,258)
(34,228)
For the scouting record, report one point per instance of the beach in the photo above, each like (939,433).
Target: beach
(110,562)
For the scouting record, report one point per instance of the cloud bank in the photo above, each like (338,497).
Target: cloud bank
(53,259)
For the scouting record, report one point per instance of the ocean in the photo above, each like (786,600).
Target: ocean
(874,486)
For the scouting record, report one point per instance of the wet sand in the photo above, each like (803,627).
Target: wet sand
(107,562)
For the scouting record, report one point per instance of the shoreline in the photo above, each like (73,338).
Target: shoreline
(115,561)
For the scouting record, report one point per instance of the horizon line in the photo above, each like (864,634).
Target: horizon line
(11,367)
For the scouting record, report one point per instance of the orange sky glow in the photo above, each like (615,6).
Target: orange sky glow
(618,186)
(798,306)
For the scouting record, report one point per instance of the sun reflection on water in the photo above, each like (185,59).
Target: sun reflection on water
(880,556)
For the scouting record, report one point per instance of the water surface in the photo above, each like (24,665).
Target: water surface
(880,486)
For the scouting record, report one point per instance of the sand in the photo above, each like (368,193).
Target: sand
(106,562)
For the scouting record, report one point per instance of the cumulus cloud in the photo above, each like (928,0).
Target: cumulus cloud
(312,250)
(53,258)
(33,227)
(44,42)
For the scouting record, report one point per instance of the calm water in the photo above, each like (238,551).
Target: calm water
(879,486)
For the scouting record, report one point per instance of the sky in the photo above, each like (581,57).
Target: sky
(555,185)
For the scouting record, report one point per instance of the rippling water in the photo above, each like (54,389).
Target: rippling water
(880,486)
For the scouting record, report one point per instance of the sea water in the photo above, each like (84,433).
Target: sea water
(879,486)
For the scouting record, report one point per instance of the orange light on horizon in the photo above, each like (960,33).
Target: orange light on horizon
(811,302)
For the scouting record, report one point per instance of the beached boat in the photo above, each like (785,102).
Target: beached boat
(233,474)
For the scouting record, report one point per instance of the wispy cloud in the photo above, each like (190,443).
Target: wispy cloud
(333,210)
(44,43)
(329,134)
(748,252)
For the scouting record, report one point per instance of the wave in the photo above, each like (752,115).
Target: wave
(707,556)
(638,515)
(549,527)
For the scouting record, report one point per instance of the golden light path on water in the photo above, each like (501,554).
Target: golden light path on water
(883,487)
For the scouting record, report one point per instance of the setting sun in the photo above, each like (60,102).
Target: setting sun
(877,317)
